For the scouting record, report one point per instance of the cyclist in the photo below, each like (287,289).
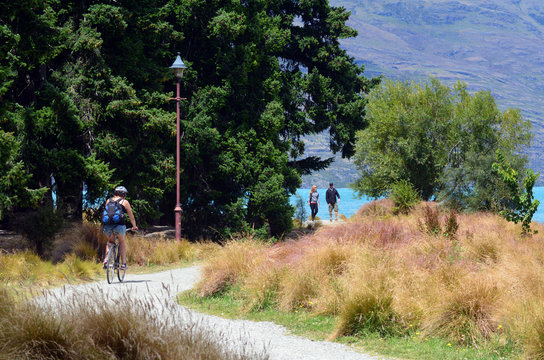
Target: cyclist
(118,228)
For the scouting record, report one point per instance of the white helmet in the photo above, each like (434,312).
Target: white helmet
(120,190)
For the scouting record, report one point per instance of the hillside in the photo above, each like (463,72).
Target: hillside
(492,45)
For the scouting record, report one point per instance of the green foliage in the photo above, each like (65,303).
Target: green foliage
(14,178)
(404,196)
(85,88)
(523,205)
(441,140)
(40,227)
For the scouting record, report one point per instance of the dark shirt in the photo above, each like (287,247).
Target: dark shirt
(331,196)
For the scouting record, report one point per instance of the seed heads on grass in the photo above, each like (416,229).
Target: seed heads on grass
(95,326)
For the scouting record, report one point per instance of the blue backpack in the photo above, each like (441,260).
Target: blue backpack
(113,213)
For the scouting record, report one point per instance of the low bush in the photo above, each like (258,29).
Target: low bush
(430,222)
(404,196)
(40,227)
(367,312)
(376,209)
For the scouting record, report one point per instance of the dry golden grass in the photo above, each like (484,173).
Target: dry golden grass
(466,277)
(158,251)
(25,267)
(229,264)
(78,252)
(87,241)
(93,327)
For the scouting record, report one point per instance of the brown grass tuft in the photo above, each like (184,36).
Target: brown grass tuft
(85,240)
(368,304)
(376,209)
(227,266)
(93,327)
(467,313)
(459,276)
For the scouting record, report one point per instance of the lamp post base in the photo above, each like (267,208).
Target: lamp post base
(177,211)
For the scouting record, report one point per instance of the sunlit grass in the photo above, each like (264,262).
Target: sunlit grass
(475,287)
(78,252)
(96,327)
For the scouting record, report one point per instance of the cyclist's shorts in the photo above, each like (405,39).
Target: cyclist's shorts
(117,229)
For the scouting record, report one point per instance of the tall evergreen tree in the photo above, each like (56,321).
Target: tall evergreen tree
(89,88)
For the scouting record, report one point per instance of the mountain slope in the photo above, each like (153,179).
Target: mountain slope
(493,45)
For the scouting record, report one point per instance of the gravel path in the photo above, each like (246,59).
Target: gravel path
(163,286)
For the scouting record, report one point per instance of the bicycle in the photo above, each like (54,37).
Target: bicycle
(113,264)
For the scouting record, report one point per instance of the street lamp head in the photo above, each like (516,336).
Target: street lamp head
(178,67)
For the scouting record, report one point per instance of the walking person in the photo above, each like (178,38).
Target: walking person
(313,201)
(330,197)
(114,222)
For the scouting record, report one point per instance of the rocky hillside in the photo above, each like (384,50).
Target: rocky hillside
(494,45)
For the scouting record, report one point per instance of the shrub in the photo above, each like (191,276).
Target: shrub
(260,289)
(85,240)
(404,196)
(368,311)
(297,288)
(303,283)
(40,226)
(377,208)
(524,204)
(170,252)
(300,212)
(431,220)
(79,268)
(451,226)
(228,266)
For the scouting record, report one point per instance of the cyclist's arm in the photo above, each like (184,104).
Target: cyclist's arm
(130,215)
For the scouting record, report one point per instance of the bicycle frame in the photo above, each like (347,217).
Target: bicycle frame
(113,264)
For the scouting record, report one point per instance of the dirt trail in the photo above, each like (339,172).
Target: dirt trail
(161,289)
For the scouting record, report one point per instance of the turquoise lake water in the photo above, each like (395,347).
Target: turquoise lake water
(349,203)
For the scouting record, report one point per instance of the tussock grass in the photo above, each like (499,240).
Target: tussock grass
(25,267)
(78,252)
(94,327)
(467,313)
(86,241)
(161,251)
(469,278)
(229,264)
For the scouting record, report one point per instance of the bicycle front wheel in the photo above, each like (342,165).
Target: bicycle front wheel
(110,266)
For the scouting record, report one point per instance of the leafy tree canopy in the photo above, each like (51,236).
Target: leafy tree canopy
(442,140)
(85,88)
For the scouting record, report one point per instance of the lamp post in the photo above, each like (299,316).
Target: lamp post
(178,67)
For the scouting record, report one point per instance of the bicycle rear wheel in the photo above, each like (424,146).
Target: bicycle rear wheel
(120,272)
(110,266)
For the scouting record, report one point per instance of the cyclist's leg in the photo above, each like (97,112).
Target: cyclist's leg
(122,248)
(119,231)
(110,236)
